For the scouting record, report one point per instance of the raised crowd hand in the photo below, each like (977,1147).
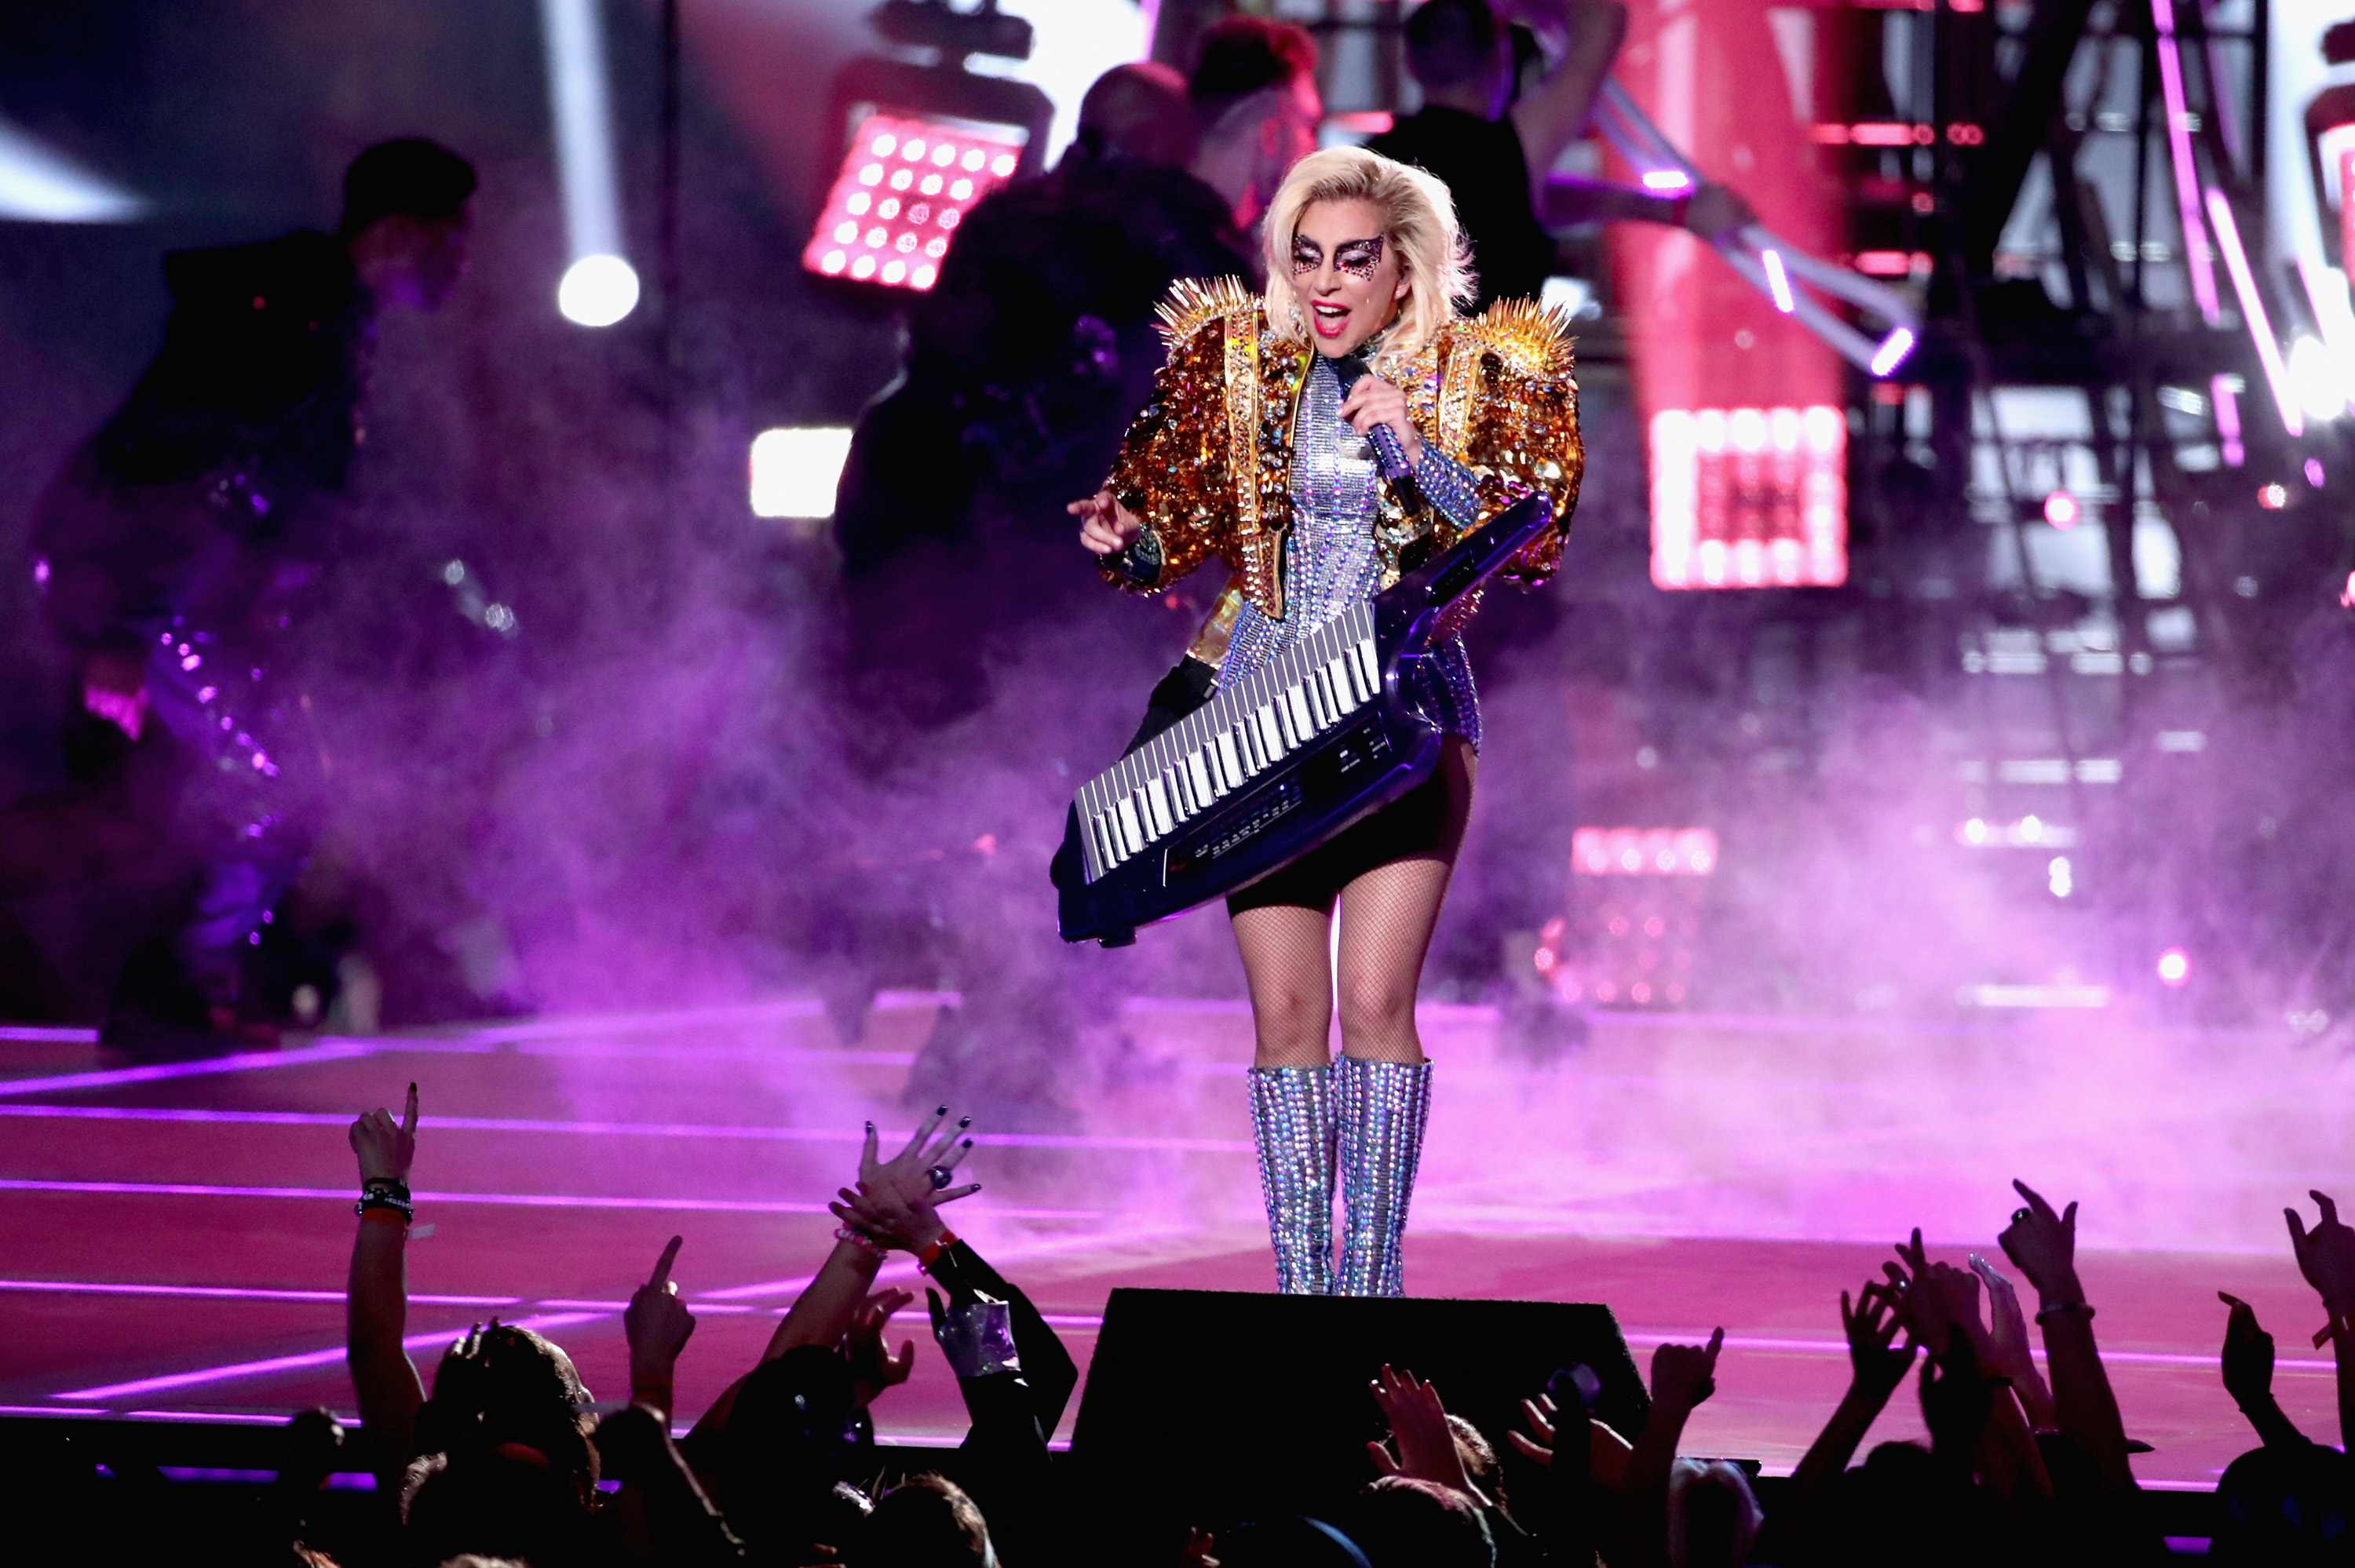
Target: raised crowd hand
(873,1368)
(2248,1353)
(657,1322)
(1540,1414)
(2044,1244)
(1418,1421)
(2326,1255)
(1872,1324)
(386,1151)
(908,1174)
(2009,1333)
(1686,1372)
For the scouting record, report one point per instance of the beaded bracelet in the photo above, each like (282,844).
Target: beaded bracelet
(862,1239)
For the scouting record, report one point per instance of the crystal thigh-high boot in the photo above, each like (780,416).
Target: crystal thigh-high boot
(1292,1122)
(1382,1107)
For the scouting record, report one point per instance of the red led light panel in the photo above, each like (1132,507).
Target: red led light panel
(903,187)
(1750,498)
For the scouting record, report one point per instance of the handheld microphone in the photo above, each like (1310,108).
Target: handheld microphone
(1387,454)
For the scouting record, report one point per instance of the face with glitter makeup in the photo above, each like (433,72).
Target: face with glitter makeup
(1345,274)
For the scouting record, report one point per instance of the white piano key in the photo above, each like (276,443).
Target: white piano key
(1197,771)
(1337,680)
(1270,742)
(1230,764)
(1304,722)
(1156,800)
(1131,829)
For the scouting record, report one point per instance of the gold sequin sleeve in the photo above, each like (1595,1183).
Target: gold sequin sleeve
(1173,468)
(1522,434)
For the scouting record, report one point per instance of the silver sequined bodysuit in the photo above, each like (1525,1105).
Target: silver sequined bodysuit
(1329,561)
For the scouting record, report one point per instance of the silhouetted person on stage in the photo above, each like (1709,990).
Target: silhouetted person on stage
(1494,145)
(174,554)
(1022,358)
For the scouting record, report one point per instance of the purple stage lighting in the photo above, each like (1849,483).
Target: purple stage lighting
(1892,352)
(2253,311)
(2196,260)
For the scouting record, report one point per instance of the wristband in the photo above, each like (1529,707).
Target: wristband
(2054,1311)
(384,1203)
(931,1253)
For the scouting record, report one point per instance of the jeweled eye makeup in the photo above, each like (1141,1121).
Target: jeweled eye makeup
(1360,258)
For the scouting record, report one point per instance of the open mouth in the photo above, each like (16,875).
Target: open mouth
(1330,319)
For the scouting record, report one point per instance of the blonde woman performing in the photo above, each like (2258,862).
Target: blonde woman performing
(1259,450)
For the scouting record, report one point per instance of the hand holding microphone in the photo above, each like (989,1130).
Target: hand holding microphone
(1377,410)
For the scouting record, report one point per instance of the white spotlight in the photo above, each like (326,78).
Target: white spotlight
(794,472)
(602,283)
(2314,375)
(598,291)
(40,185)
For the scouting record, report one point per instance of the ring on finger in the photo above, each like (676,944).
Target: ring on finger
(2022,1216)
(940,1176)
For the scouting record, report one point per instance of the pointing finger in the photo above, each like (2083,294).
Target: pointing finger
(1716,1340)
(409,1119)
(662,1268)
(2330,1209)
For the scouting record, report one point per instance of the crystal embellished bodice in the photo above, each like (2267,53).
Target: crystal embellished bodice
(1329,561)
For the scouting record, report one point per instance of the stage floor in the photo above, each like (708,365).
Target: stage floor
(176,1235)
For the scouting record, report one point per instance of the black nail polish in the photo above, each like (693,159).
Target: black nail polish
(943,1111)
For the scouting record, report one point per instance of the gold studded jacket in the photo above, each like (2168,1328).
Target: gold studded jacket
(1207,465)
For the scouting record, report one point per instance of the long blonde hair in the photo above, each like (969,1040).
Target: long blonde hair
(1418,222)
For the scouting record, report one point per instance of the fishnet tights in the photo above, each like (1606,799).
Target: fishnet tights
(1387,915)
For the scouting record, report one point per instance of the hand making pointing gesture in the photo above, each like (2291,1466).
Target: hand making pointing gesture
(658,1326)
(386,1150)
